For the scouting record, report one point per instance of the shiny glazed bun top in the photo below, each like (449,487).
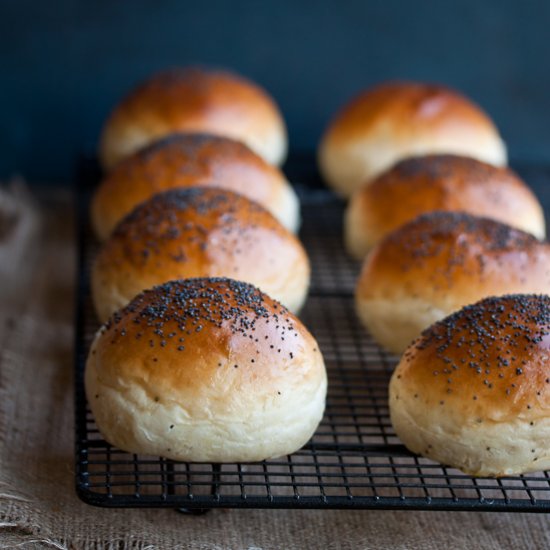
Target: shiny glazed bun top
(454,256)
(418,185)
(195,99)
(199,232)
(396,120)
(206,370)
(186,160)
(491,357)
(474,390)
(491,353)
(439,262)
(203,321)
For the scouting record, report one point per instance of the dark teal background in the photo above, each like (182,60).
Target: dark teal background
(63,64)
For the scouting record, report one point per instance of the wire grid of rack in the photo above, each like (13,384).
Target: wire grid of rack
(354,460)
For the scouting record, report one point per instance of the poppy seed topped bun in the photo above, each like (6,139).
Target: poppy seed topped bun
(199,232)
(194,100)
(473,392)
(438,263)
(439,182)
(396,120)
(206,370)
(186,160)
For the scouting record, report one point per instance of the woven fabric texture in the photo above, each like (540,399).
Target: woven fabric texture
(38,504)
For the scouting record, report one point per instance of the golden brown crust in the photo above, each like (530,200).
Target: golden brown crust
(457,258)
(473,391)
(488,361)
(190,100)
(206,370)
(439,182)
(185,160)
(397,120)
(438,263)
(429,107)
(198,232)
(173,324)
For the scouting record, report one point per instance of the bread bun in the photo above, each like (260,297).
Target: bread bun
(199,232)
(206,370)
(402,119)
(440,182)
(185,160)
(195,100)
(438,263)
(473,391)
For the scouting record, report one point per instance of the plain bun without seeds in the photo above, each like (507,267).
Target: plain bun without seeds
(438,182)
(189,160)
(396,120)
(206,370)
(194,99)
(199,232)
(473,392)
(438,263)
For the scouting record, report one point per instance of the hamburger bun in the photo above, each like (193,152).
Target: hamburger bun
(194,100)
(441,182)
(199,232)
(473,392)
(188,160)
(206,370)
(438,263)
(396,120)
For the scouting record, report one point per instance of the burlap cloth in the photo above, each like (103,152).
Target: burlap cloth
(38,505)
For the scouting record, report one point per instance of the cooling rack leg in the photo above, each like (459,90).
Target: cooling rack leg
(194,511)
(214,492)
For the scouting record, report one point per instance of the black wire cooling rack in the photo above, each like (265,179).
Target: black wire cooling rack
(354,460)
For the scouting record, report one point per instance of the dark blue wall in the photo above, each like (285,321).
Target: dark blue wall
(63,64)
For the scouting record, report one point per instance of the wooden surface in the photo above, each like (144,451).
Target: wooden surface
(38,506)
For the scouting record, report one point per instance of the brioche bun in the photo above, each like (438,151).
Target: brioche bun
(185,160)
(194,100)
(440,182)
(199,232)
(473,392)
(206,370)
(438,263)
(396,120)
